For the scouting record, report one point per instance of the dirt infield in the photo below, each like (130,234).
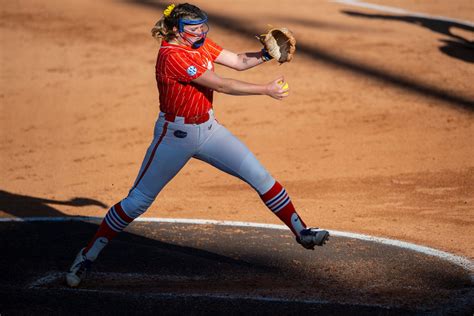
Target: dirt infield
(166,263)
(375,138)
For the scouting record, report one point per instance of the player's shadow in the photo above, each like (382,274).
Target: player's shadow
(24,206)
(240,28)
(456,47)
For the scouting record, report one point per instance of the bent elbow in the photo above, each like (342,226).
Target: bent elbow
(239,67)
(220,89)
(223,86)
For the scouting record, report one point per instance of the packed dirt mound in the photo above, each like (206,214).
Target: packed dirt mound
(376,136)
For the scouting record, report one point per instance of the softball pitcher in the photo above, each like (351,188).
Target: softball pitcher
(186,128)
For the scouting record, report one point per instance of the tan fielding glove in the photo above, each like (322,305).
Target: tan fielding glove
(279,43)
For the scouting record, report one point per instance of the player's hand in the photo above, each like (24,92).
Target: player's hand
(276,89)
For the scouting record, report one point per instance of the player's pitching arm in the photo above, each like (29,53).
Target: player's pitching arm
(273,89)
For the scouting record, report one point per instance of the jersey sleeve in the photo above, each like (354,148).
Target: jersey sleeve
(183,68)
(213,49)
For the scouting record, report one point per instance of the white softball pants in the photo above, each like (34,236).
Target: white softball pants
(175,143)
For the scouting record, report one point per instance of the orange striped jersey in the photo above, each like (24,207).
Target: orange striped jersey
(176,67)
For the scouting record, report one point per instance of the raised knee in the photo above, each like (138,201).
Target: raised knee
(136,203)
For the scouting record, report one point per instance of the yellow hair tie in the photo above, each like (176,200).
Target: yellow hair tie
(168,10)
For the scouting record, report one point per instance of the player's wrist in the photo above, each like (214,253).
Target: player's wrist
(265,55)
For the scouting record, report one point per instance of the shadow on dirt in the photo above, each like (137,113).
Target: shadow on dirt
(239,28)
(456,47)
(183,268)
(201,269)
(37,248)
(23,205)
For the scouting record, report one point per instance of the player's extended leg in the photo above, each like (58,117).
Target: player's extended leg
(163,160)
(224,151)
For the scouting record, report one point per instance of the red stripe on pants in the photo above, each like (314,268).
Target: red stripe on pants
(163,133)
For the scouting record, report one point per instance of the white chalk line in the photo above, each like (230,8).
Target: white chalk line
(396,10)
(53,276)
(455,259)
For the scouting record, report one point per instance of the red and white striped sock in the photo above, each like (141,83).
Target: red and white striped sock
(279,202)
(114,222)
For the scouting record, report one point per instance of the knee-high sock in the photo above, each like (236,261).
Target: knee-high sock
(279,202)
(114,222)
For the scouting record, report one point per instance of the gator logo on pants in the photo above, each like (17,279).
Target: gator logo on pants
(180,134)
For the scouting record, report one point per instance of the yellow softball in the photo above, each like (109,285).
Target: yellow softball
(284,86)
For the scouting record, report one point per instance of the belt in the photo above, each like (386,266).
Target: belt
(189,120)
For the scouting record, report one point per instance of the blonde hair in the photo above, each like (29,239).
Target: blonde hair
(164,28)
(159,31)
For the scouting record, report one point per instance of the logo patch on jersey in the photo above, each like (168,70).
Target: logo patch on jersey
(180,134)
(191,70)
